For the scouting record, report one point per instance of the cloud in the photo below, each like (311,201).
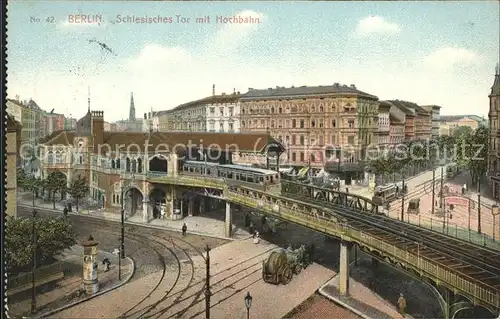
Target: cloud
(233,35)
(376,25)
(157,56)
(446,58)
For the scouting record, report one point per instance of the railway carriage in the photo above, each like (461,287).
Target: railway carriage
(235,175)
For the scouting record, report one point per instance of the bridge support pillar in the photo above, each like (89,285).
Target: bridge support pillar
(145,210)
(229,220)
(191,206)
(344,268)
(202,205)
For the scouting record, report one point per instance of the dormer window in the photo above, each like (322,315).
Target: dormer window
(80,143)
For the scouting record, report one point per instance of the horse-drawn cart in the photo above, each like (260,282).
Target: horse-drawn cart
(282,264)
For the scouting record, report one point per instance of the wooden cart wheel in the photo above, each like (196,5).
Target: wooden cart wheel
(286,276)
(297,269)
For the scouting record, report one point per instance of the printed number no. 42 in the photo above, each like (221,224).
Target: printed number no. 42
(50,20)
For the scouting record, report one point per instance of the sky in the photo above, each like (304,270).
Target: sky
(440,53)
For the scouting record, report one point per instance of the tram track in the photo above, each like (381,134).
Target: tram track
(480,260)
(186,301)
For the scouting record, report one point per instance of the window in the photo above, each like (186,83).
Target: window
(80,159)
(272,110)
(212,126)
(272,124)
(280,110)
(221,111)
(231,111)
(212,110)
(221,126)
(301,123)
(321,109)
(293,140)
(301,156)
(320,140)
(231,126)
(242,124)
(350,123)
(350,140)
(334,124)
(321,123)
(127,165)
(139,165)
(118,163)
(313,123)
(294,123)
(294,157)
(302,140)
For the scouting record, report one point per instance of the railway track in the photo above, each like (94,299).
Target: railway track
(479,263)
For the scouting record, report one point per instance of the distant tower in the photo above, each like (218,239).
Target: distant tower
(131,116)
(213,90)
(88,100)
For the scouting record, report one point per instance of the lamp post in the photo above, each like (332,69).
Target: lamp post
(494,212)
(122,239)
(403,200)
(248,303)
(207,284)
(33,263)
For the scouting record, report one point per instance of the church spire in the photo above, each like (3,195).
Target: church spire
(131,115)
(88,99)
(495,89)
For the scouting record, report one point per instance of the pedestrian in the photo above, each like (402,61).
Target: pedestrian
(65,211)
(402,304)
(184,229)
(107,263)
(256,238)
(251,228)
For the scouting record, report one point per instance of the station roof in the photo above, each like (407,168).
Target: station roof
(180,141)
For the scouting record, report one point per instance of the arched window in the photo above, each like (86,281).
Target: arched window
(50,157)
(127,165)
(139,165)
(112,163)
(134,166)
(280,110)
(118,163)
(321,109)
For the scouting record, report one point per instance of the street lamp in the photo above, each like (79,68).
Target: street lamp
(248,303)
(122,240)
(494,212)
(33,264)
(208,293)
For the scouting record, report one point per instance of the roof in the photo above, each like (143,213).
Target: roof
(208,100)
(168,141)
(454,118)
(394,119)
(283,92)
(12,124)
(495,89)
(408,108)
(384,106)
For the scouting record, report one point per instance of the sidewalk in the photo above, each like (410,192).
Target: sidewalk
(69,290)
(198,225)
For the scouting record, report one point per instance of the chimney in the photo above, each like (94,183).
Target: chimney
(149,115)
(336,84)
(213,90)
(353,86)
(250,89)
(234,90)
(145,116)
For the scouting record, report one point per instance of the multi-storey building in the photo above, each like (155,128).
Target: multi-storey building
(321,126)
(216,113)
(69,124)
(13,143)
(384,124)
(162,119)
(118,165)
(53,122)
(397,130)
(417,121)
(494,124)
(434,110)
(15,109)
(451,122)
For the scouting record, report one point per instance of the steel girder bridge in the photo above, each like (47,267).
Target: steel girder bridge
(466,275)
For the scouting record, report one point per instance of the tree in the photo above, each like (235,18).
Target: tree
(56,182)
(22,178)
(462,131)
(78,189)
(52,237)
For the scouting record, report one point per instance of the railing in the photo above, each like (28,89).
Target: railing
(323,220)
(40,274)
(201,181)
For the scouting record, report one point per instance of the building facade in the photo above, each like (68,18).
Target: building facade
(494,140)
(15,109)
(397,130)
(321,126)
(434,110)
(449,123)
(216,113)
(384,124)
(13,143)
